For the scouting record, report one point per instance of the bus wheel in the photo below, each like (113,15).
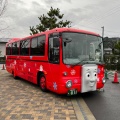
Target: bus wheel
(42,83)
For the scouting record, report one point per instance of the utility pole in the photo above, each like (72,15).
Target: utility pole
(102,31)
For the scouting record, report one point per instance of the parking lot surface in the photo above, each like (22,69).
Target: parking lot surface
(21,100)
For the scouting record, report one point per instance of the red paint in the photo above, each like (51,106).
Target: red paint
(28,67)
(100,76)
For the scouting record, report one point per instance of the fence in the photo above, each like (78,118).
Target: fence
(2,60)
(112,62)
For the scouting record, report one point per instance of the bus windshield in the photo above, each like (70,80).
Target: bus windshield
(79,48)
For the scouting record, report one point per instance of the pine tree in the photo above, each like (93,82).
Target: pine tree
(52,20)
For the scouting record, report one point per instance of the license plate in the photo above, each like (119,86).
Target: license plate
(72,92)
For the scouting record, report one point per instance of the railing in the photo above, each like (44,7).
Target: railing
(2,60)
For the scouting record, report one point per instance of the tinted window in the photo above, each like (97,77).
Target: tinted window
(54,51)
(38,46)
(41,44)
(33,49)
(15,48)
(24,47)
(8,49)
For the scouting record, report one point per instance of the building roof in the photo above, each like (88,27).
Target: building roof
(4,40)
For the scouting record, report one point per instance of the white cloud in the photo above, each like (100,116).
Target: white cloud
(89,15)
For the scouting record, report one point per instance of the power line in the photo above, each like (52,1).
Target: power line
(98,28)
(114,10)
(108,13)
(112,31)
(106,32)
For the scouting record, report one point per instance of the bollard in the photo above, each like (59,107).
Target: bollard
(106,74)
(115,78)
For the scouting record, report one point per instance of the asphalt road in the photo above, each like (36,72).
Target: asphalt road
(105,105)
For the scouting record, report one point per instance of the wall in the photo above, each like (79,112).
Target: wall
(2,48)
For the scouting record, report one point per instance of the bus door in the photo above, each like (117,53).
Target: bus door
(54,62)
(24,55)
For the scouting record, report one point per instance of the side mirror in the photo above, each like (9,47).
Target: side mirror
(56,42)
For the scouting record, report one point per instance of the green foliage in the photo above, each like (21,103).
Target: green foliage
(0,53)
(112,62)
(52,20)
(117,48)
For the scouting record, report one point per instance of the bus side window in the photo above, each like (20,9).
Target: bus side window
(38,46)
(15,48)
(41,45)
(54,51)
(8,49)
(24,47)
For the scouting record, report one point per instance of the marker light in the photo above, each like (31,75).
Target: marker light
(103,81)
(69,84)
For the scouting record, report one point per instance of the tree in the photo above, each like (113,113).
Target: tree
(52,20)
(117,48)
(108,43)
(3,4)
(0,53)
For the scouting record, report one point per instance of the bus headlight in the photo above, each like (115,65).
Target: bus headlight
(69,84)
(103,81)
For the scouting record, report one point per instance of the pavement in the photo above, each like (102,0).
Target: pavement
(22,100)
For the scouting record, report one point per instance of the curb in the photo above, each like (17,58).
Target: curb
(81,110)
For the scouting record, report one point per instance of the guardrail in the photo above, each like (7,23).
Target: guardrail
(112,73)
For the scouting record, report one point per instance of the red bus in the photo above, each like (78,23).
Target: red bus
(61,60)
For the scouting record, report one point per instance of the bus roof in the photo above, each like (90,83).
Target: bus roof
(55,30)
(13,39)
(73,30)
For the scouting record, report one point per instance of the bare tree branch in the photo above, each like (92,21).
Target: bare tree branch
(4,28)
(3,4)
(3,24)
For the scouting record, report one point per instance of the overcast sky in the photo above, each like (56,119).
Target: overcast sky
(85,14)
